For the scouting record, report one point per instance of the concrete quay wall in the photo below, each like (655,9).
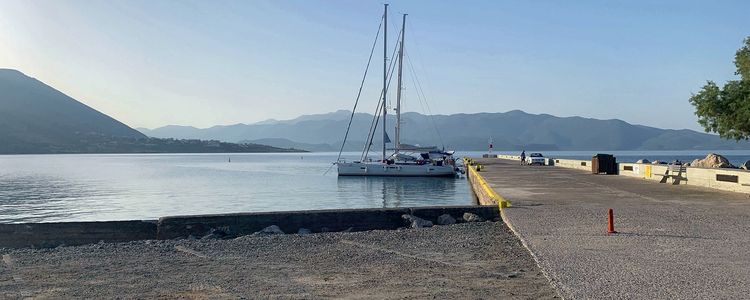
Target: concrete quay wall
(485,194)
(584,165)
(289,222)
(734,180)
(724,179)
(45,235)
(644,171)
(484,197)
(48,235)
(316,221)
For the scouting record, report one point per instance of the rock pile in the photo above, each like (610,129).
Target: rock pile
(417,222)
(446,219)
(273,229)
(216,233)
(712,160)
(470,217)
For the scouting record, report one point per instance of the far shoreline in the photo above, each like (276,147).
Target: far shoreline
(296,151)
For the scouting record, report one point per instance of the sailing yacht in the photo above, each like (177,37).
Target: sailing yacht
(406,160)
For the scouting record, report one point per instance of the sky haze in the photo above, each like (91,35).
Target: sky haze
(204,63)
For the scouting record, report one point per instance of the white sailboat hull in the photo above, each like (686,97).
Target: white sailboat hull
(395,170)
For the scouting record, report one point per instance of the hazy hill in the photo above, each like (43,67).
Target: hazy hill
(337,116)
(285,143)
(320,131)
(511,130)
(36,118)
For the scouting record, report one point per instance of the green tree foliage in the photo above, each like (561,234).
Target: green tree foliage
(726,110)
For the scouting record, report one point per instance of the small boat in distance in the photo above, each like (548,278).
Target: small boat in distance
(406,160)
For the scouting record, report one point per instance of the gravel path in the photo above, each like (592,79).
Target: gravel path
(470,260)
(675,242)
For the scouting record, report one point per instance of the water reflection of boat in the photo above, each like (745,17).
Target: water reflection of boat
(400,191)
(406,160)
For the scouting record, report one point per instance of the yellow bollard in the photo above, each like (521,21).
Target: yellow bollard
(503,204)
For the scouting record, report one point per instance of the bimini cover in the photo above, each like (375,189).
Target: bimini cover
(407,147)
(404,157)
(446,153)
(437,154)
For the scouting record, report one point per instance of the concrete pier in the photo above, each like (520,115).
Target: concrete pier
(674,241)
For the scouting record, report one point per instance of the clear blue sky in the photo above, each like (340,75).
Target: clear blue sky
(203,63)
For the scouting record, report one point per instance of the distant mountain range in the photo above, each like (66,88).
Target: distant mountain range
(513,130)
(36,118)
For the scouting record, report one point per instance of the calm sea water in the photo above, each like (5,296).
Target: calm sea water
(48,188)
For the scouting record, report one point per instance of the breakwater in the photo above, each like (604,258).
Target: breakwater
(230,225)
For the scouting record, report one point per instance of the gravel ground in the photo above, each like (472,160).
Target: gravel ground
(674,242)
(470,260)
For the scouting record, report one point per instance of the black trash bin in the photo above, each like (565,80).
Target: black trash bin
(604,164)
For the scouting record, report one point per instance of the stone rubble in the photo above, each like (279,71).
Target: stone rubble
(273,229)
(417,222)
(470,217)
(446,219)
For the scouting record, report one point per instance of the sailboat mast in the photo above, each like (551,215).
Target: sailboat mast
(398,94)
(385,74)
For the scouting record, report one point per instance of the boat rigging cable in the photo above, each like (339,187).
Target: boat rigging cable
(378,110)
(419,91)
(359,93)
(418,84)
